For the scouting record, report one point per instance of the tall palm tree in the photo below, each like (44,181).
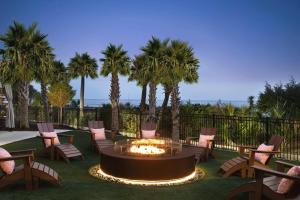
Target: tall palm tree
(167,92)
(60,73)
(154,50)
(182,65)
(116,61)
(138,73)
(43,72)
(82,66)
(21,47)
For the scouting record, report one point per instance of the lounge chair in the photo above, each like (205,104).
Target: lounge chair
(203,153)
(242,163)
(98,143)
(148,130)
(268,187)
(29,171)
(65,151)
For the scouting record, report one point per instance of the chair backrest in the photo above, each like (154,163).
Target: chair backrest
(148,126)
(208,131)
(96,124)
(45,127)
(275,140)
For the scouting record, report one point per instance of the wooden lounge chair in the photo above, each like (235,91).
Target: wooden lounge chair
(149,126)
(267,187)
(202,153)
(98,144)
(29,171)
(65,151)
(242,163)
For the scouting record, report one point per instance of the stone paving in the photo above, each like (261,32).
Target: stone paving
(7,137)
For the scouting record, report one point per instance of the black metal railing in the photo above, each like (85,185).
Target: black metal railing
(232,131)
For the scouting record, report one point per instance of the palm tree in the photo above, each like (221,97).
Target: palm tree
(154,50)
(60,73)
(43,73)
(115,61)
(167,92)
(181,66)
(82,66)
(21,47)
(138,73)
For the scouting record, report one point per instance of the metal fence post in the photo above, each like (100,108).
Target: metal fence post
(96,114)
(78,117)
(267,123)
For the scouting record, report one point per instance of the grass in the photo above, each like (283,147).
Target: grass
(78,184)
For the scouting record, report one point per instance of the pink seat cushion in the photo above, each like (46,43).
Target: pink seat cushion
(99,133)
(285,184)
(148,134)
(48,141)
(263,157)
(6,166)
(203,140)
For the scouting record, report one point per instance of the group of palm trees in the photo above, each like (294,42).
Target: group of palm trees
(27,56)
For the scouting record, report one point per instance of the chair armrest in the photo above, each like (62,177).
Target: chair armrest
(252,155)
(48,138)
(69,137)
(242,149)
(18,157)
(275,173)
(280,165)
(22,152)
(266,152)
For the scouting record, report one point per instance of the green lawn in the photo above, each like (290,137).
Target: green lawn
(78,184)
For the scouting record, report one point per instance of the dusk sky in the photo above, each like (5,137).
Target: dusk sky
(240,44)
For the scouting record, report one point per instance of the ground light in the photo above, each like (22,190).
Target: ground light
(96,171)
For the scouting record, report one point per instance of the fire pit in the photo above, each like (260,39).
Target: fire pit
(147,162)
(147,147)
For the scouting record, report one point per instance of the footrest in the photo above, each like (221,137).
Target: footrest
(45,173)
(69,150)
(234,165)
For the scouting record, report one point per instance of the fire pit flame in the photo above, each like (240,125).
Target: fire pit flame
(146,150)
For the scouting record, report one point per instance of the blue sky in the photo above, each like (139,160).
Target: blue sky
(240,44)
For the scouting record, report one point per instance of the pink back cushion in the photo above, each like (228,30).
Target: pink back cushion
(6,166)
(99,133)
(263,157)
(203,140)
(285,184)
(48,141)
(148,134)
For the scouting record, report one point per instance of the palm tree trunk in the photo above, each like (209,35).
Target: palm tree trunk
(60,115)
(164,105)
(152,101)
(175,101)
(81,105)
(143,110)
(143,99)
(45,101)
(114,98)
(23,104)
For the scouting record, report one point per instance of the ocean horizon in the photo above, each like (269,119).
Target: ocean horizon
(136,102)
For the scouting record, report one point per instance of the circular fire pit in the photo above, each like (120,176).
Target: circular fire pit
(147,161)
